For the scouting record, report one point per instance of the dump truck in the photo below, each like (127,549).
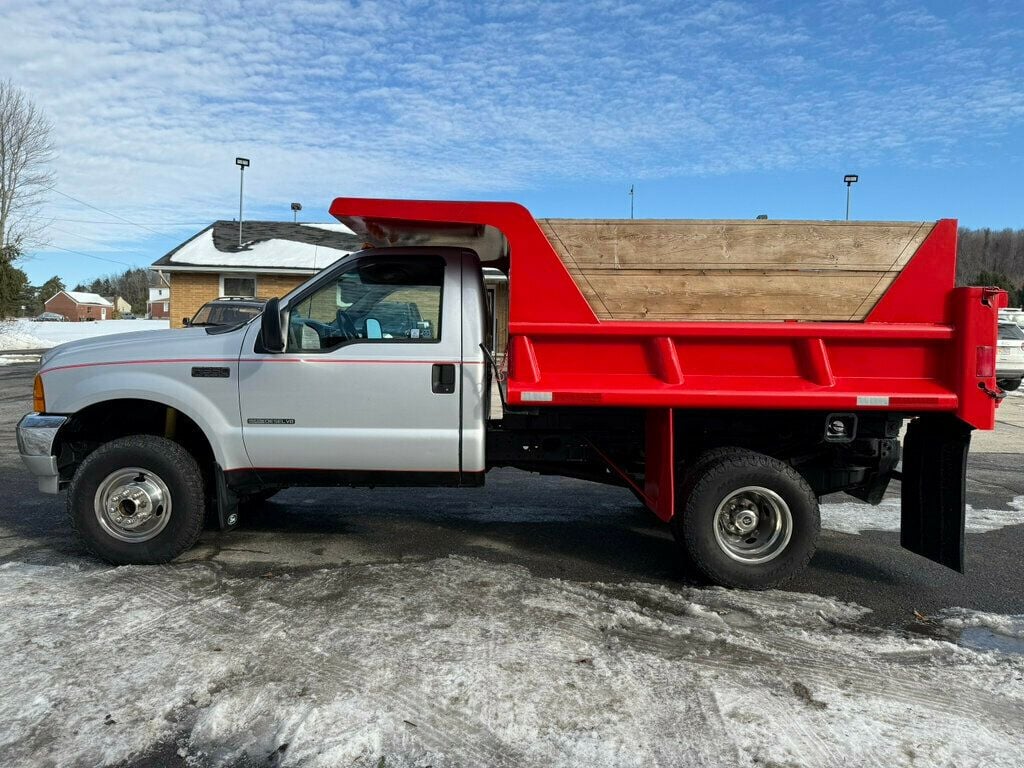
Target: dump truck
(728,373)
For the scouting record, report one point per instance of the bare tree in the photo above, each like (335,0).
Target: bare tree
(25,174)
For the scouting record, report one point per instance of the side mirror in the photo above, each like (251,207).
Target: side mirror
(270,327)
(186,321)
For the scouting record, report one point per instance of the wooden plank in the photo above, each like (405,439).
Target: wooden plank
(772,297)
(733,270)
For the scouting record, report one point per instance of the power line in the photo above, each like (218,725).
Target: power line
(107,213)
(133,224)
(90,256)
(98,242)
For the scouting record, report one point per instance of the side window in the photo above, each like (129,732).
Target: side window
(377,300)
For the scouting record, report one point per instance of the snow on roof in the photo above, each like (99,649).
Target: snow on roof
(88,298)
(277,245)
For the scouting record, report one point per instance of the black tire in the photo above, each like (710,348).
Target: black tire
(709,482)
(1009,385)
(175,467)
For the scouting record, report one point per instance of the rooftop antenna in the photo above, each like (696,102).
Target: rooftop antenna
(632,196)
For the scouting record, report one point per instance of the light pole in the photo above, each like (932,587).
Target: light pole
(296,207)
(242,163)
(850,179)
(632,196)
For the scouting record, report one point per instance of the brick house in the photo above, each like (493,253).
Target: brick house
(78,306)
(274,258)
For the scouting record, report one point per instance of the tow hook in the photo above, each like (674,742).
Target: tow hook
(995,394)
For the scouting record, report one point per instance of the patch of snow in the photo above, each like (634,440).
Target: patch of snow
(336,226)
(1006,625)
(463,662)
(262,253)
(18,359)
(855,516)
(25,334)
(88,298)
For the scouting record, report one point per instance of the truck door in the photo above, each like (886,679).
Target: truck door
(367,389)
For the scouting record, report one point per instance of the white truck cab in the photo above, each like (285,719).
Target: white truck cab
(374,375)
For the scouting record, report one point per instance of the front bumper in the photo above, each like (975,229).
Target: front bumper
(36,435)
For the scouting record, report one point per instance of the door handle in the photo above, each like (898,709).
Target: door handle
(442,378)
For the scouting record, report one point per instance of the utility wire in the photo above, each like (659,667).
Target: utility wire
(107,213)
(133,224)
(98,242)
(90,256)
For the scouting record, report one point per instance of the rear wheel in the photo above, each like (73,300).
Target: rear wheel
(744,519)
(138,500)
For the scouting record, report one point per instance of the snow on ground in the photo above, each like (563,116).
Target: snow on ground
(15,359)
(25,334)
(1007,626)
(458,661)
(854,517)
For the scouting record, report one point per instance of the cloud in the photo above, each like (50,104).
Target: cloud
(151,103)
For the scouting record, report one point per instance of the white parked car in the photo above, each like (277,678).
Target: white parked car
(1010,356)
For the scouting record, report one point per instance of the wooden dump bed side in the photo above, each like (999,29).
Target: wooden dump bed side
(733,270)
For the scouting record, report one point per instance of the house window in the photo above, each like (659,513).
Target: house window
(167,306)
(238,285)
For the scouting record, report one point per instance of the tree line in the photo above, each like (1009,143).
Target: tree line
(992,257)
(18,298)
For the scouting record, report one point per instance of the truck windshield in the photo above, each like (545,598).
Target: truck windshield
(1010,331)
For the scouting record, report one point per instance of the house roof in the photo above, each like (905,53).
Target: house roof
(81,297)
(276,246)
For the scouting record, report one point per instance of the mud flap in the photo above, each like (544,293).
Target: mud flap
(226,501)
(933,492)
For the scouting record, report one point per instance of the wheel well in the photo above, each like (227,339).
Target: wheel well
(102,422)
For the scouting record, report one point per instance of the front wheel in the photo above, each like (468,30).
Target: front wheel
(137,500)
(746,520)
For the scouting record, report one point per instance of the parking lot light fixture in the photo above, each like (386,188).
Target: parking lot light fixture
(849,179)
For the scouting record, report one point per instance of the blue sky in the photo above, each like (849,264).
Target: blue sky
(713,110)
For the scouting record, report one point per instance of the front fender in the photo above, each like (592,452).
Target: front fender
(212,403)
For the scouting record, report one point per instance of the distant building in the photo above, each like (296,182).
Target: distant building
(78,306)
(159,305)
(121,307)
(275,257)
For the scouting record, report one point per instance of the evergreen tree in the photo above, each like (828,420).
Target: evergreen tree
(50,288)
(12,283)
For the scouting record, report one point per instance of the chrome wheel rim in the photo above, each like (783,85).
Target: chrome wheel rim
(753,525)
(133,504)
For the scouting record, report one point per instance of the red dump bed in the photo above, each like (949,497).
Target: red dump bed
(921,343)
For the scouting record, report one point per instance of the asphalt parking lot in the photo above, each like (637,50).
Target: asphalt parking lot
(463,560)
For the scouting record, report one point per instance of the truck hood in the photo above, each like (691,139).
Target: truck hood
(139,346)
